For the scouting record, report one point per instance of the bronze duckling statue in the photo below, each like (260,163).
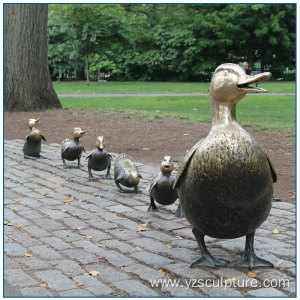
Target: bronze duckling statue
(72,150)
(225,184)
(161,188)
(99,159)
(32,145)
(126,173)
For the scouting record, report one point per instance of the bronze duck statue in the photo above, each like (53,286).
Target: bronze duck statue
(99,159)
(126,173)
(225,185)
(161,188)
(32,145)
(72,150)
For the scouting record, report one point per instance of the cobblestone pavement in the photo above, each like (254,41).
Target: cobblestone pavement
(53,246)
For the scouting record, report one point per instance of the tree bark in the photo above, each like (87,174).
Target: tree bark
(27,82)
(87,70)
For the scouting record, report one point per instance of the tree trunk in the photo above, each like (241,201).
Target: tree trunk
(27,82)
(87,71)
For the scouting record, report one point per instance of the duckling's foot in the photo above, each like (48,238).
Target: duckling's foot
(92,177)
(276,199)
(80,165)
(119,187)
(30,157)
(107,176)
(152,207)
(179,213)
(250,259)
(206,260)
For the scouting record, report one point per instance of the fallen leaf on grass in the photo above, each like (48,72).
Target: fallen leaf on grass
(8,223)
(20,226)
(94,273)
(251,275)
(79,228)
(179,237)
(27,254)
(7,238)
(144,225)
(89,237)
(96,195)
(123,231)
(44,193)
(138,248)
(169,246)
(146,149)
(101,245)
(275,231)
(63,210)
(78,283)
(69,200)
(141,229)
(43,285)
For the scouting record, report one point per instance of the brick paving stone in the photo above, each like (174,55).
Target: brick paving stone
(101,224)
(48,224)
(14,250)
(56,243)
(18,278)
(267,292)
(89,246)
(55,280)
(75,223)
(117,259)
(76,293)
(34,291)
(221,292)
(92,284)
(119,208)
(121,246)
(45,252)
(68,267)
(68,235)
(108,274)
(144,272)
(135,288)
(151,259)
(34,263)
(81,255)
(95,234)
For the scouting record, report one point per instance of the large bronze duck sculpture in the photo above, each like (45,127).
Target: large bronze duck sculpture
(99,159)
(126,173)
(161,188)
(32,145)
(72,150)
(225,184)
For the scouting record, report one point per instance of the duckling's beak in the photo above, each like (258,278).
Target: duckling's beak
(37,120)
(244,81)
(82,131)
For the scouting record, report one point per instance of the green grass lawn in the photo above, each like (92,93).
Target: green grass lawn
(260,112)
(136,87)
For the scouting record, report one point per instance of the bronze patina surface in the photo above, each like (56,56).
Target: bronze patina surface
(99,159)
(161,188)
(225,184)
(126,173)
(72,150)
(32,145)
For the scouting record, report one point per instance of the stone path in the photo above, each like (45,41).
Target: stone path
(60,230)
(155,95)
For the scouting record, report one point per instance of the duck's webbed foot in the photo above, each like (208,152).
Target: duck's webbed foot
(43,157)
(152,207)
(92,177)
(137,190)
(250,259)
(30,157)
(119,187)
(107,176)
(206,260)
(179,213)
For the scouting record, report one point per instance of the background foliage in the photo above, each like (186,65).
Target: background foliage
(174,42)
